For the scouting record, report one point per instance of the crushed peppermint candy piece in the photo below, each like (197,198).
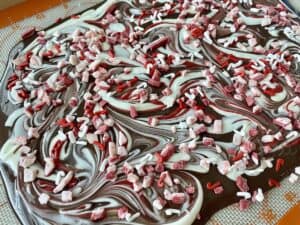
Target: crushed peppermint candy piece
(170,212)
(153,121)
(208,141)
(244,204)
(49,166)
(27,161)
(283,122)
(245,195)
(219,190)
(133,112)
(224,167)
(259,195)
(293,178)
(66,196)
(218,126)
(178,198)
(159,203)
(122,139)
(297,170)
(33,132)
(237,139)
(98,214)
(190,120)
(168,151)
(152,107)
(64,182)
(242,184)
(30,175)
(267,138)
(123,213)
(44,199)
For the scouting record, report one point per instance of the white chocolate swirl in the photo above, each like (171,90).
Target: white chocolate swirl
(109,89)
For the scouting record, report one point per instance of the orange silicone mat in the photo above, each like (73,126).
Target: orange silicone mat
(269,214)
(25,9)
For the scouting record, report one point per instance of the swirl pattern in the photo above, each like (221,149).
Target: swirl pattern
(115,111)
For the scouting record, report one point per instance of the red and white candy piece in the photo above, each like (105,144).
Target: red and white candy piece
(159,203)
(49,166)
(98,214)
(64,182)
(27,161)
(122,139)
(123,213)
(244,204)
(178,198)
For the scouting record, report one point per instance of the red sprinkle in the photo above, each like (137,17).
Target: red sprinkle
(132,81)
(121,87)
(99,145)
(45,185)
(279,164)
(23,94)
(197,32)
(72,183)
(211,186)
(56,150)
(273,183)
(39,106)
(63,123)
(237,157)
(274,91)
(67,81)
(160,181)
(181,104)
(101,112)
(12,81)
(48,54)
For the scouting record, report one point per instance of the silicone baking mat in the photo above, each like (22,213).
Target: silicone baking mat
(23,9)
(277,202)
